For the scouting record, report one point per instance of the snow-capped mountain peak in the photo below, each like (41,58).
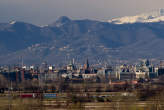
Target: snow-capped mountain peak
(12,22)
(155,16)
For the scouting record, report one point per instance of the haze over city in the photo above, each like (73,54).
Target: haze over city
(42,12)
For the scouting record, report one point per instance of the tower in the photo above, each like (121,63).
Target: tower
(86,66)
(147,63)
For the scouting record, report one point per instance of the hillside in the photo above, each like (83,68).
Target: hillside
(65,39)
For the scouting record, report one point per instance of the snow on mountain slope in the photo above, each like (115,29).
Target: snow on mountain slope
(12,22)
(155,16)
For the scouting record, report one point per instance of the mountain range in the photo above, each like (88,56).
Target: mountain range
(66,39)
(154,16)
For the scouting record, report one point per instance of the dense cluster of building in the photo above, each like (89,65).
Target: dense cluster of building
(143,70)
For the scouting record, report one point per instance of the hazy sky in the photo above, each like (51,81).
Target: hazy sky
(41,12)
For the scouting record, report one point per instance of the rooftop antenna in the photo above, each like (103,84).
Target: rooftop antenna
(22,63)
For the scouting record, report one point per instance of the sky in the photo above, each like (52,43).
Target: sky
(42,12)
